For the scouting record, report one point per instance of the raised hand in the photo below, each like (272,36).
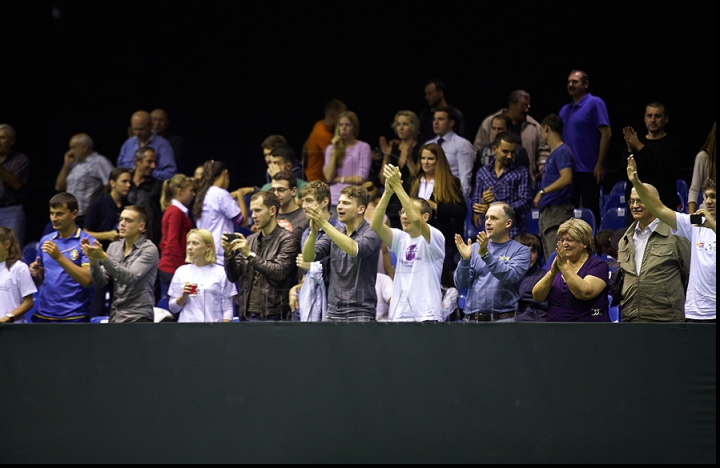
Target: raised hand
(632,170)
(488,196)
(464,249)
(482,240)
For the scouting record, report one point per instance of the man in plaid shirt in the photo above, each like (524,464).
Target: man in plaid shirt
(505,181)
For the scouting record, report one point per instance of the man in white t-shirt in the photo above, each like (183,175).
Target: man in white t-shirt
(700,300)
(420,250)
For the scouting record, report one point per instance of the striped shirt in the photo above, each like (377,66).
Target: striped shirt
(86,177)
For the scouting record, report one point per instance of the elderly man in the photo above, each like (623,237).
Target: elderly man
(84,172)
(142,131)
(655,264)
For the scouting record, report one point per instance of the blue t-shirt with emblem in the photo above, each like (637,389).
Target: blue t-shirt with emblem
(61,297)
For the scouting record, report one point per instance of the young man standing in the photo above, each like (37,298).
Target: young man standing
(62,267)
(420,250)
(132,263)
(290,216)
(264,262)
(555,195)
(353,253)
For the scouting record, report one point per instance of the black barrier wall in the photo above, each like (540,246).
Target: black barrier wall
(360,393)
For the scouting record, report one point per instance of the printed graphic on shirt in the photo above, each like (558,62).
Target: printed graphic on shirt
(411,255)
(284,223)
(708,246)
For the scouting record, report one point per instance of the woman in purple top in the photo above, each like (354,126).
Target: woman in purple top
(347,159)
(576,285)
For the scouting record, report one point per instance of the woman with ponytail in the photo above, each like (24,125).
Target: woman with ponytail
(175,201)
(216,209)
(16,283)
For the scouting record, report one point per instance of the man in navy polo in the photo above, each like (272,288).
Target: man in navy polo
(61,270)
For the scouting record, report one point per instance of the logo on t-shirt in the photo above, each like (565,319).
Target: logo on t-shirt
(284,223)
(410,253)
(708,246)
(74,255)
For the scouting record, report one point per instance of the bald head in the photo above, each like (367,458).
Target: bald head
(651,188)
(160,121)
(141,126)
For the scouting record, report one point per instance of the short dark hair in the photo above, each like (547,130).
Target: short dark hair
(504,117)
(272,141)
(583,76)
(424,205)
(660,105)
(528,239)
(449,110)
(269,199)
(554,122)
(505,136)
(286,175)
(357,193)
(64,198)
(284,151)
(439,85)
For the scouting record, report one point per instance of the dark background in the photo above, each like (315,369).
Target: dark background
(229,74)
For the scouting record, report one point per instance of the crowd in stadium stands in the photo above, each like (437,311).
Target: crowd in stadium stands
(513,226)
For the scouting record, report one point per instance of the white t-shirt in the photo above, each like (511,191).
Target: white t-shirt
(416,293)
(700,299)
(15,284)
(219,209)
(213,301)
(383,288)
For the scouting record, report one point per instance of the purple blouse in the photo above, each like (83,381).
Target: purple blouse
(357,161)
(564,307)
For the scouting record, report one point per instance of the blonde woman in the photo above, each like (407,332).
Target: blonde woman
(402,153)
(576,285)
(347,159)
(200,290)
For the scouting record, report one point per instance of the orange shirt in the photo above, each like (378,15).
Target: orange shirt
(320,138)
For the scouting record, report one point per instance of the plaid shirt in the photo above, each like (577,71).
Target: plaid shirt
(513,187)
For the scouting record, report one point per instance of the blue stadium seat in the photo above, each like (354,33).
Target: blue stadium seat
(614,312)
(470,231)
(533,222)
(615,198)
(99,319)
(682,190)
(586,215)
(614,219)
(29,252)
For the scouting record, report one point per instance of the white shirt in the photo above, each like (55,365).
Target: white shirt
(383,288)
(425,188)
(15,284)
(218,210)
(460,156)
(416,295)
(640,240)
(701,298)
(213,301)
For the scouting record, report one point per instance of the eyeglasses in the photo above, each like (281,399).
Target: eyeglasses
(634,201)
(279,190)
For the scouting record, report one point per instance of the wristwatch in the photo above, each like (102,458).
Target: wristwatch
(542,191)
(251,256)
(11,318)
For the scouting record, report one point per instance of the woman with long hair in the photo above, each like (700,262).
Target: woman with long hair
(402,153)
(704,169)
(347,159)
(200,290)
(16,283)
(215,208)
(175,201)
(443,191)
